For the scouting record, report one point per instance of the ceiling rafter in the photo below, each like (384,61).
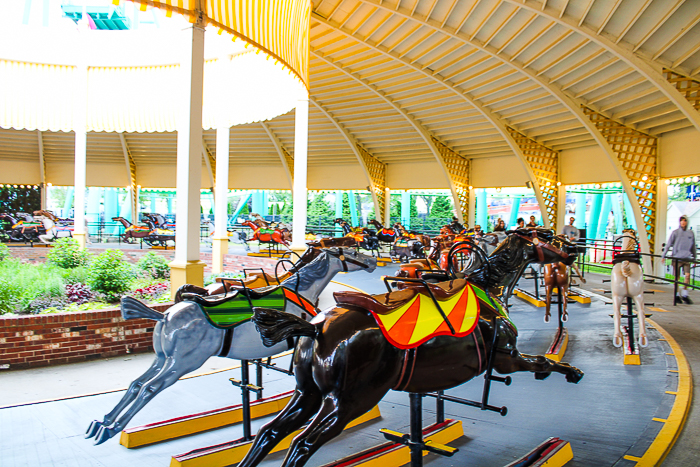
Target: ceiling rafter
(659,23)
(684,30)
(633,21)
(488,114)
(607,18)
(285,158)
(653,75)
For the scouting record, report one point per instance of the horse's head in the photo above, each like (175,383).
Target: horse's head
(352,260)
(544,247)
(339,221)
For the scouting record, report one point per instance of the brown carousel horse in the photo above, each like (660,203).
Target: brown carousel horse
(131,231)
(282,236)
(402,232)
(556,275)
(345,363)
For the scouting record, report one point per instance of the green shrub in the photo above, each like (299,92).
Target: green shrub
(110,274)
(24,283)
(154,265)
(212,277)
(77,275)
(4,251)
(66,253)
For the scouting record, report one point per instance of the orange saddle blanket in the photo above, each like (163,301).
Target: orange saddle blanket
(409,318)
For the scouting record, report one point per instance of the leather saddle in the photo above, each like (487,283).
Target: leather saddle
(385,303)
(217,300)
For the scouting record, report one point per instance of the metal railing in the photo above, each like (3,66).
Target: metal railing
(602,251)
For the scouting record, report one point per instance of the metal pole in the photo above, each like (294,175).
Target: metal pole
(440,407)
(416,429)
(630,323)
(674,262)
(259,379)
(245,402)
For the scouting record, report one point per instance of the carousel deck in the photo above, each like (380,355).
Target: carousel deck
(610,418)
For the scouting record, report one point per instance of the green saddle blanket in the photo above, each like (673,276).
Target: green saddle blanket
(235,310)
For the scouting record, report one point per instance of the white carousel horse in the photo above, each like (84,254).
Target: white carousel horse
(627,281)
(52,232)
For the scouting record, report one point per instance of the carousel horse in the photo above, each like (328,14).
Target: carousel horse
(402,232)
(132,232)
(383,234)
(159,221)
(234,236)
(28,228)
(627,280)
(351,355)
(269,236)
(161,232)
(556,275)
(363,238)
(196,328)
(12,228)
(52,231)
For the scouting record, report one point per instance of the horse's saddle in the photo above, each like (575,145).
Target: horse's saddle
(410,317)
(236,307)
(633,257)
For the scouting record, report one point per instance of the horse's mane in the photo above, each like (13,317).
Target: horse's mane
(505,259)
(310,273)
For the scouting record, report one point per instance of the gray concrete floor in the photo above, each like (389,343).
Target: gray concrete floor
(485,433)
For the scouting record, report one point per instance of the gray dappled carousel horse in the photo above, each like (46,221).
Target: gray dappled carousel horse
(198,327)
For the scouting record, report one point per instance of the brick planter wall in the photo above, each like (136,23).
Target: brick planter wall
(42,340)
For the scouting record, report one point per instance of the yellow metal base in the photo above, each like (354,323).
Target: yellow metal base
(575,296)
(80,237)
(558,351)
(219,247)
(184,426)
(399,454)
(560,458)
(189,272)
(632,360)
(267,255)
(529,298)
(234,453)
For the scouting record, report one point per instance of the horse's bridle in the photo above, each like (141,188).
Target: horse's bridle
(344,260)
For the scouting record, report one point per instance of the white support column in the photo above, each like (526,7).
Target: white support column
(42,171)
(220,240)
(301,144)
(472,208)
(661,211)
(187,268)
(561,207)
(387,208)
(80,130)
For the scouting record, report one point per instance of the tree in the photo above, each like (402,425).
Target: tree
(319,207)
(441,208)
(13,200)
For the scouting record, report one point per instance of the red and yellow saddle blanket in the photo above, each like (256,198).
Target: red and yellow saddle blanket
(419,320)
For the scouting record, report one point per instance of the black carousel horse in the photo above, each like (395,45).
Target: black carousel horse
(363,237)
(383,234)
(344,363)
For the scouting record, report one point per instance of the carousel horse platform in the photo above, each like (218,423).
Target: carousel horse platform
(617,415)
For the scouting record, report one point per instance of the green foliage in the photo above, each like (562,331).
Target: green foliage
(66,253)
(319,207)
(155,265)
(77,275)
(212,277)
(21,284)
(20,199)
(4,251)
(441,207)
(110,274)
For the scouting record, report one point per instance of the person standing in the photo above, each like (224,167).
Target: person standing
(571,232)
(682,244)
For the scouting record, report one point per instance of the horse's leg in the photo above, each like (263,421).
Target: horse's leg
(336,412)
(511,362)
(178,362)
(563,285)
(636,289)
(134,387)
(618,289)
(303,404)
(547,301)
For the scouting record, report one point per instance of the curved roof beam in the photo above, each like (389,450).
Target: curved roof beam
(570,103)
(641,66)
(425,134)
(280,152)
(354,147)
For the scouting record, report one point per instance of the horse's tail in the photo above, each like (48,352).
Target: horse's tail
(276,326)
(626,269)
(133,309)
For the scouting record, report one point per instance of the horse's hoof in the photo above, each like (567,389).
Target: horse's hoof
(103,434)
(574,376)
(617,340)
(565,317)
(92,429)
(643,341)
(540,375)
(546,318)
